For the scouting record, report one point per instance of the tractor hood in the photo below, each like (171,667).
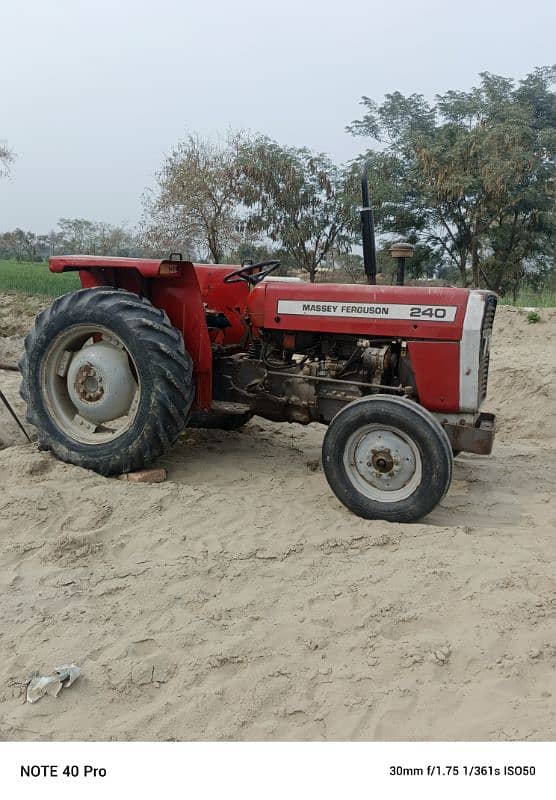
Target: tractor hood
(413,312)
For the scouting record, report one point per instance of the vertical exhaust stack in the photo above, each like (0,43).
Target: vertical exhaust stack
(368,229)
(401,251)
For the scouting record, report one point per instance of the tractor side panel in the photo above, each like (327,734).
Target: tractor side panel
(429,320)
(436,369)
(409,312)
(228,298)
(181,298)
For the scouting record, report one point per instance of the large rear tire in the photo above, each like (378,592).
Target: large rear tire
(387,458)
(107,381)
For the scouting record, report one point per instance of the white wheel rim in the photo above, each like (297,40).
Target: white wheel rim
(90,384)
(383,463)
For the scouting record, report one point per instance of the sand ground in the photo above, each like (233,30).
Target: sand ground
(240,600)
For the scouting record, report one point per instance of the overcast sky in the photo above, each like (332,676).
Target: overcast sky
(93,93)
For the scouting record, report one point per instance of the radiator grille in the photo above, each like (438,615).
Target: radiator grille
(486,332)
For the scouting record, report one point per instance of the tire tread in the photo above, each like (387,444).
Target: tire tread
(171,367)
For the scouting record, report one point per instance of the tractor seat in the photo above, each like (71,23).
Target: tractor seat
(216,319)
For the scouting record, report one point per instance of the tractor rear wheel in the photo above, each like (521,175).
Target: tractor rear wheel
(107,381)
(387,458)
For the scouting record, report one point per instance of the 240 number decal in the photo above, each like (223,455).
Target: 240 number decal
(432,312)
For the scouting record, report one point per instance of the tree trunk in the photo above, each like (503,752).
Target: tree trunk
(308,265)
(212,242)
(463,268)
(215,253)
(475,263)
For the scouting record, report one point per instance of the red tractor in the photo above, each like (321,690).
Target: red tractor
(114,372)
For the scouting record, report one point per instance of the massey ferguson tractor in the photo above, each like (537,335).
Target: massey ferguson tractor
(114,372)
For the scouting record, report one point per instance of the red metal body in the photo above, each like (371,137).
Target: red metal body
(263,306)
(183,290)
(432,345)
(186,291)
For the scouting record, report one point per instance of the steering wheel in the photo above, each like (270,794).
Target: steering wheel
(247,273)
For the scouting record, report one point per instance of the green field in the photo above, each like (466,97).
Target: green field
(36,279)
(543,299)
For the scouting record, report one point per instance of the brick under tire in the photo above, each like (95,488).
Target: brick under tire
(156,358)
(387,458)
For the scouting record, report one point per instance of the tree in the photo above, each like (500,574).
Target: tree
(116,240)
(195,204)
(21,245)
(72,236)
(76,236)
(251,249)
(82,236)
(161,234)
(298,199)
(6,160)
(471,176)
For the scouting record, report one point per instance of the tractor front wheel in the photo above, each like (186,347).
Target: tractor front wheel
(107,381)
(387,458)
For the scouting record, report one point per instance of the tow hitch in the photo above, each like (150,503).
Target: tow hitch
(477,438)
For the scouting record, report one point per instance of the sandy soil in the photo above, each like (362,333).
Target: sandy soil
(240,600)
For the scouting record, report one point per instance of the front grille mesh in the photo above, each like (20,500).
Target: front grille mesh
(486,332)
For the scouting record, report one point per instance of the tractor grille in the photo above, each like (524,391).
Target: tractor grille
(486,332)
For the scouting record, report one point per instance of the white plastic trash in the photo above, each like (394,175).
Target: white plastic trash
(61,678)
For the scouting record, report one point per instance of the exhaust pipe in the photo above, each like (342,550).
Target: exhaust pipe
(368,228)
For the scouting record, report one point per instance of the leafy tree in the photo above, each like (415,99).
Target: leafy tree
(161,234)
(72,236)
(21,245)
(76,236)
(81,236)
(116,240)
(195,204)
(341,267)
(6,160)
(472,176)
(251,249)
(296,198)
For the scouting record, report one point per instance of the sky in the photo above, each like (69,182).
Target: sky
(94,93)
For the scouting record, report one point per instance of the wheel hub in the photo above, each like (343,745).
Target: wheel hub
(88,383)
(100,382)
(383,461)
